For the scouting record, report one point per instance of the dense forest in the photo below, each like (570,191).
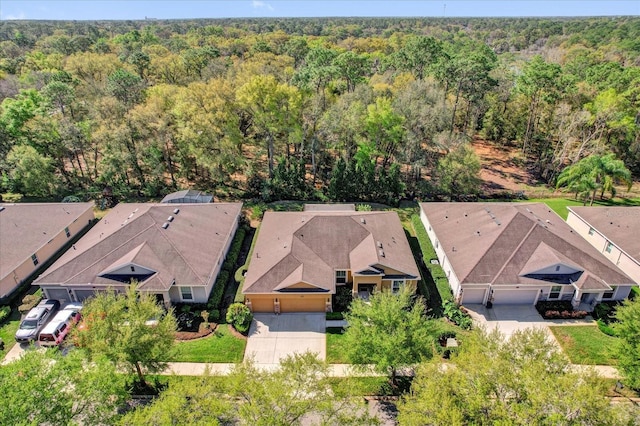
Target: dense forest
(338,109)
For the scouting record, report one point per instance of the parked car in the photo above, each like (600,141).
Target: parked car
(35,320)
(56,331)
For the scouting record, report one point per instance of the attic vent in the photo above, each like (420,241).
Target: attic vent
(170,219)
(379,244)
(362,220)
(529,210)
(165,225)
(176,211)
(130,216)
(381,253)
(478,233)
(1,208)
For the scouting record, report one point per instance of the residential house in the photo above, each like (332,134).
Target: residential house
(612,231)
(174,251)
(32,233)
(518,253)
(300,258)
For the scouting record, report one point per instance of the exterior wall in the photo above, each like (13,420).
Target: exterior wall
(44,253)
(566,293)
(366,279)
(625,262)
(386,285)
(289,302)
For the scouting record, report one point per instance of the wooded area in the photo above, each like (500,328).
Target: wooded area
(334,108)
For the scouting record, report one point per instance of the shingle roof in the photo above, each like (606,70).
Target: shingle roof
(309,246)
(619,225)
(500,243)
(25,227)
(186,251)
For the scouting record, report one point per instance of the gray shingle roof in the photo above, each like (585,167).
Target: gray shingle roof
(619,225)
(309,246)
(186,251)
(499,243)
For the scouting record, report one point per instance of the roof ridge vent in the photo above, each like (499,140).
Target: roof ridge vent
(1,208)
(176,211)
(165,225)
(170,219)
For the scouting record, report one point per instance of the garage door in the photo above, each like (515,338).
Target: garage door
(473,295)
(264,304)
(82,295)
(60,294)
(515,297)
(303,303)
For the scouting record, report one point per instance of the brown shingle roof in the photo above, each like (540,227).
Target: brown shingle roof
(26,227)
(499,243)
(619,225)
(309,246)
(186,251)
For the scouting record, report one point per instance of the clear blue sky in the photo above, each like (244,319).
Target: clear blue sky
(176,9)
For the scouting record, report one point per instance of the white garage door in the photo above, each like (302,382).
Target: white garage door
(514,297)
(473,295)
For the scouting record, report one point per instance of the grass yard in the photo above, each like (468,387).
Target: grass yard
(585,344)
(559,205)
(8,332)
(220,346)
(336,348)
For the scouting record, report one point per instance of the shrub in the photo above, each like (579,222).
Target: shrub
(342,298)
(605,328)
(239,316)
(214,315)
(564,314)
(553,305)
(234,251)
(215,299)
(456,315)
(5,311)
(335,316)
(29,301)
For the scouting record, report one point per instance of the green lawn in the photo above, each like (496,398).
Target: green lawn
(559,205)
(221,346)
(336,348)
(8,332)
(585,344)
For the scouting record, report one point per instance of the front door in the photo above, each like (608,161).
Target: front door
(587,297)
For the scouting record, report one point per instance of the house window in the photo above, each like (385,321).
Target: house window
(396,285)
(341,277)
(609,247)
(591,231)
(133,268)
(557,268)
(609,294)
(34,259)
(555,292)
(185,293)
(66,231)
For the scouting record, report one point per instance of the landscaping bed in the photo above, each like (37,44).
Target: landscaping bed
(559,309)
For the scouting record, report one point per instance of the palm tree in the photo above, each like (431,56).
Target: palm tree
(593,173)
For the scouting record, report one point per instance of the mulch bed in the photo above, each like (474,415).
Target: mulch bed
(236,333)
(202,332)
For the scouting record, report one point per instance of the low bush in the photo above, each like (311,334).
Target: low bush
(239,316)
(29,301)
(5,311)
(335,316)
(215,299)
(234,251)
(342,298)
(456,315)
(606,329)
(565,314)
(553,305)
(605,311)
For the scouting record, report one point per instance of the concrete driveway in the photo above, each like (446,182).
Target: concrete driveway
(273,337)
(507,318)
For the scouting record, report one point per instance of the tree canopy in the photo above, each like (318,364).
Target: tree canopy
(628,349)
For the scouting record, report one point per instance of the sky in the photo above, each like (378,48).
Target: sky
(182,9)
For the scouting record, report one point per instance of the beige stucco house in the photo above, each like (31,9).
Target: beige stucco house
(518,253)
(174,251)
(31,233)
(301,257)
(614,232)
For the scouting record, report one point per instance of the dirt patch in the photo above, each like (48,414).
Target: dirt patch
(503,168)
(236,333)
(192,335)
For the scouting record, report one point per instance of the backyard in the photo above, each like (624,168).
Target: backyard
(585,345)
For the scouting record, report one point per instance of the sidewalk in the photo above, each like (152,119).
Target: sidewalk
(335,370)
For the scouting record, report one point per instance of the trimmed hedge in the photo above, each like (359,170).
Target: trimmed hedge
(30,301)
(239,275)
(215,299)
